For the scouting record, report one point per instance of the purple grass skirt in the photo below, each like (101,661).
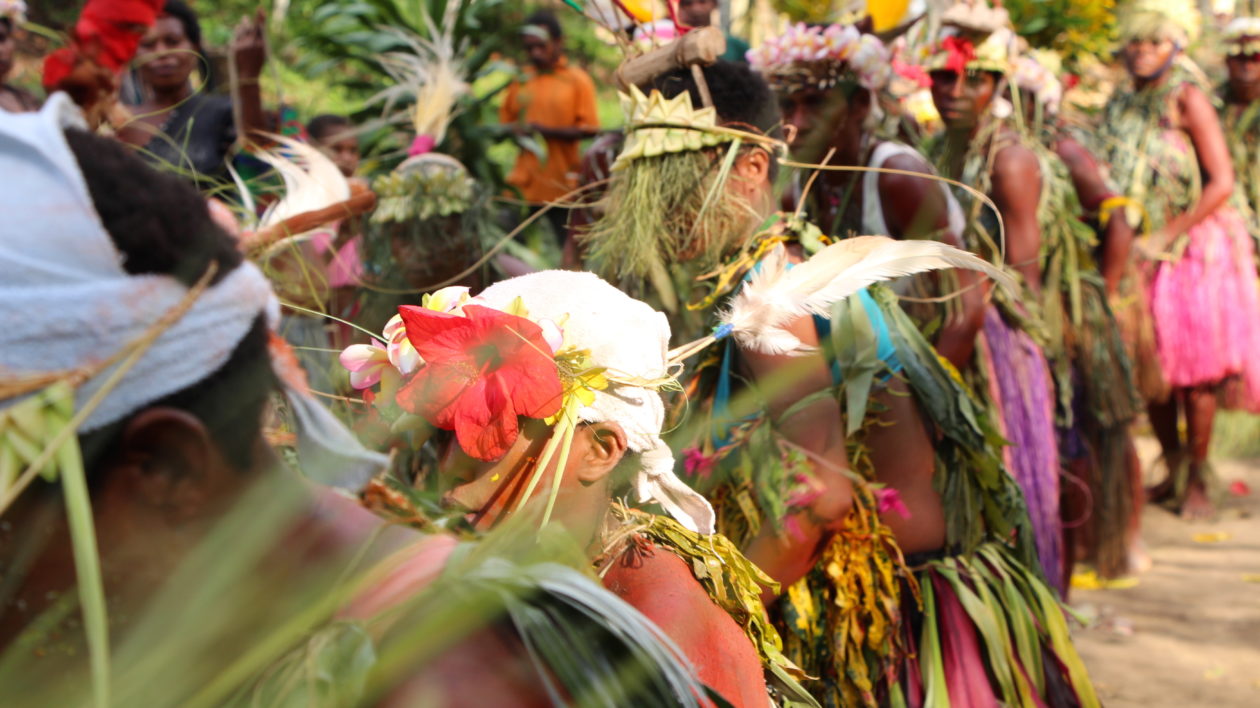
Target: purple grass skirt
(1206,307)
(1020,384)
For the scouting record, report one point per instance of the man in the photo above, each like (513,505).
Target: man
(699,13)
(555,101)
(1240,109)
(335,136)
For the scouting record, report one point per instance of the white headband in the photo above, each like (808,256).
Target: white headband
(67,302)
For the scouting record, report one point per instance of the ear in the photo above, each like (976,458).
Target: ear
(753,166)
(604,445)
(171,462)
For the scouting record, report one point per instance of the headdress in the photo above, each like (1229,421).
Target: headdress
(818,57)
(973,37)
(13,10)
(1034,73)
(1242,34)
(1175,20)
(67,306)
(559,346)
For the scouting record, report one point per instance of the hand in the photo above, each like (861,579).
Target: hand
(249,46)
(1152,247)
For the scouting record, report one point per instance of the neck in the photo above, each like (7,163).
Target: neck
(168,97)
(1244,93)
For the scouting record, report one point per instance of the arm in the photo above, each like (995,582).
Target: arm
(660,585)
(1017,192)
(1092,191)
(818,429)
(1203,125)
(249,53)
(569,134)
(918,208)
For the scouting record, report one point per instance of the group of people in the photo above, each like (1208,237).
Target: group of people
(826,412)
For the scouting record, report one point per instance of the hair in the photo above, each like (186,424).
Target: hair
(192,30)
(546,19)
(741,97)
(324,125)
(166,229)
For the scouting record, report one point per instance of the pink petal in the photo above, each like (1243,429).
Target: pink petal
(358,357)
(552,334)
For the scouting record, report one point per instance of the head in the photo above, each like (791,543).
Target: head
(171,49)
(1148,58)
(162,472)
(1244,72)
(542,40)
(963,98)
(335,136)
(616,441)
(824,118)
(697,13)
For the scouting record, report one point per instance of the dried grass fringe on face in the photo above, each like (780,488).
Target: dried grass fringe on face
(674,207)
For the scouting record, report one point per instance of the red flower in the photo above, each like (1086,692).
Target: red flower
(959,51)
(481,371)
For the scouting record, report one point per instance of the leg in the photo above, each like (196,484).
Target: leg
(1163,417)
(1200,414)
(1139,559)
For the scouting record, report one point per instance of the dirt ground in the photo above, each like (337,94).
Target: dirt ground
(1188,634)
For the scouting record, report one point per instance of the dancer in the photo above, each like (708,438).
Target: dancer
(1240,107)
(1167,151)
(982,147)
(780,477)
(581,365)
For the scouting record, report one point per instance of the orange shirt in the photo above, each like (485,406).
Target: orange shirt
(561,98)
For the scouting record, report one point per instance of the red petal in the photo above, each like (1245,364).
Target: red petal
(484,424)
(437,336)
(434,392)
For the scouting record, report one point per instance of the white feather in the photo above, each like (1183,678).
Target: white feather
(311,180)
(779,293)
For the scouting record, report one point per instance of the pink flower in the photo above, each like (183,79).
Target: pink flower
(889,499)
(552,334)
(366,363)
(401,352)
(697,463)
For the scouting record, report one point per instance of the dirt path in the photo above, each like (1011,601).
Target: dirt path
(1188,634)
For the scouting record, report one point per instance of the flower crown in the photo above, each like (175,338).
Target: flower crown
(1242,36)
(462,366)
(14,10)
(659,125)
(1032,74)
(959,51)
(820,57)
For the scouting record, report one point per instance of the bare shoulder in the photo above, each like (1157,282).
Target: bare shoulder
(642,572)
(1015,161)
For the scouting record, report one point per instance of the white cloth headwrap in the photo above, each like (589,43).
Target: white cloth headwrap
(630,340)
(67,302)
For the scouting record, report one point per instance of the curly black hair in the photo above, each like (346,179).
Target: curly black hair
(161,225)
(741,96)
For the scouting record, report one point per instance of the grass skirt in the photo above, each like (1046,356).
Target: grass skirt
(989,633)
(1020,385)
(1206,308)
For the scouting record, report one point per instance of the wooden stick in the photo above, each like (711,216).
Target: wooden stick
(700,46)
(360,202)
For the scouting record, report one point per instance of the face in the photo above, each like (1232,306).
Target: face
(491,490)
(1244,73)
(1146,58)
(166,58)
(343,149)
(824,118)
(6,48)
(962,99)
(542,53)
(697,13)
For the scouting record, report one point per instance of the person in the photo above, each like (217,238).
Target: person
(1203,296)
(1240,108)
(12,98)
(830,100)
(177,439)
(699,13)
(981,147)
(182,125)
(822,523)
(335,136)
(555,101)
(1084,261)
(578,423)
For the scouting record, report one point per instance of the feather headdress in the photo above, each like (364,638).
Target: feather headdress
(429,71)
(780,292)
(311,181)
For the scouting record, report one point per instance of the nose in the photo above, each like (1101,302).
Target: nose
(956,89)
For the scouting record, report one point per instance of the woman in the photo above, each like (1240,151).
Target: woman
(183,125)
(1168,153)
(12,98)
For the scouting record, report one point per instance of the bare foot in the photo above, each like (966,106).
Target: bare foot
(1197,505)
(1139,560)
(1161,493)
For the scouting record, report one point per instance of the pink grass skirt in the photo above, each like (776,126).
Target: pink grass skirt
(1206,308)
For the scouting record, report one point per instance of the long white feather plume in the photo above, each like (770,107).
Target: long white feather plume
(311,180)
(780,292)
(429,71)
